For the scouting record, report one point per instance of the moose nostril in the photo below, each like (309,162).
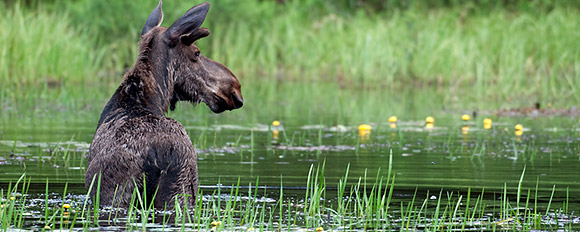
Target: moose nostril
(238,101)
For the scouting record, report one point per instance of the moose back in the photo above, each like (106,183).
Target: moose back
(137,148)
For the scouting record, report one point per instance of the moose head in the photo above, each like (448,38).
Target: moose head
(181,71)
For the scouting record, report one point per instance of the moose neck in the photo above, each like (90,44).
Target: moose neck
(147,85)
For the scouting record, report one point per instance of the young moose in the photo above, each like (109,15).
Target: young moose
(134,140)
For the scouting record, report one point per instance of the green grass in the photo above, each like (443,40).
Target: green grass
(306,62)
(46,64)
(356,205)
(65,58)
(42,49)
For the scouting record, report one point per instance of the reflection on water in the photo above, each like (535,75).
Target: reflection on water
(452,155)
(428,158)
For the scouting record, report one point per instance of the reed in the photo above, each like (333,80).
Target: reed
(362,206)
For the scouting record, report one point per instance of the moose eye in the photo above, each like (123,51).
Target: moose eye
(197,54)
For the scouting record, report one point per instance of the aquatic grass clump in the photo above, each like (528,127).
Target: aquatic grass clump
(12,203)
(369,203)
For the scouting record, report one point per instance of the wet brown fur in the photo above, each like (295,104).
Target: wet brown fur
(135,141)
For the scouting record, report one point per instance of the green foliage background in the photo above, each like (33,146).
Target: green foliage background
(68,56)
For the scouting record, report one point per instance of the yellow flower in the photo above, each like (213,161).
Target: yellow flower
(393,119)
(429,125)
(519,133)
(66,206)
(464,129)
(487,121)
(276,123)
(465,117)
(319,229)
(519,127)
(216,223)
(364,131)
(429,119)
(364,127)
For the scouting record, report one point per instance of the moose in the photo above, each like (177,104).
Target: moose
(136,147)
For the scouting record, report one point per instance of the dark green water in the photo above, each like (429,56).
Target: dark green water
(442,157)
(445,157)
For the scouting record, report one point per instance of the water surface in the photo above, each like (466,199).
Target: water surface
(451,156)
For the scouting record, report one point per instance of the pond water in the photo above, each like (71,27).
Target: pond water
(450,156)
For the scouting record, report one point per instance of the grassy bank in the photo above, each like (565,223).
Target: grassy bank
(69,56)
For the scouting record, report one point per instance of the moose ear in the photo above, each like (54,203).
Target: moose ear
(154,20)
(187,23)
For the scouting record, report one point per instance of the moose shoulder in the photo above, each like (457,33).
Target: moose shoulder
(135,145)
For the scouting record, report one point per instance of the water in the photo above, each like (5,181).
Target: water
(450,157)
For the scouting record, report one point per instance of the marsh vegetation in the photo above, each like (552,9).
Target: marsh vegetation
(321,68)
